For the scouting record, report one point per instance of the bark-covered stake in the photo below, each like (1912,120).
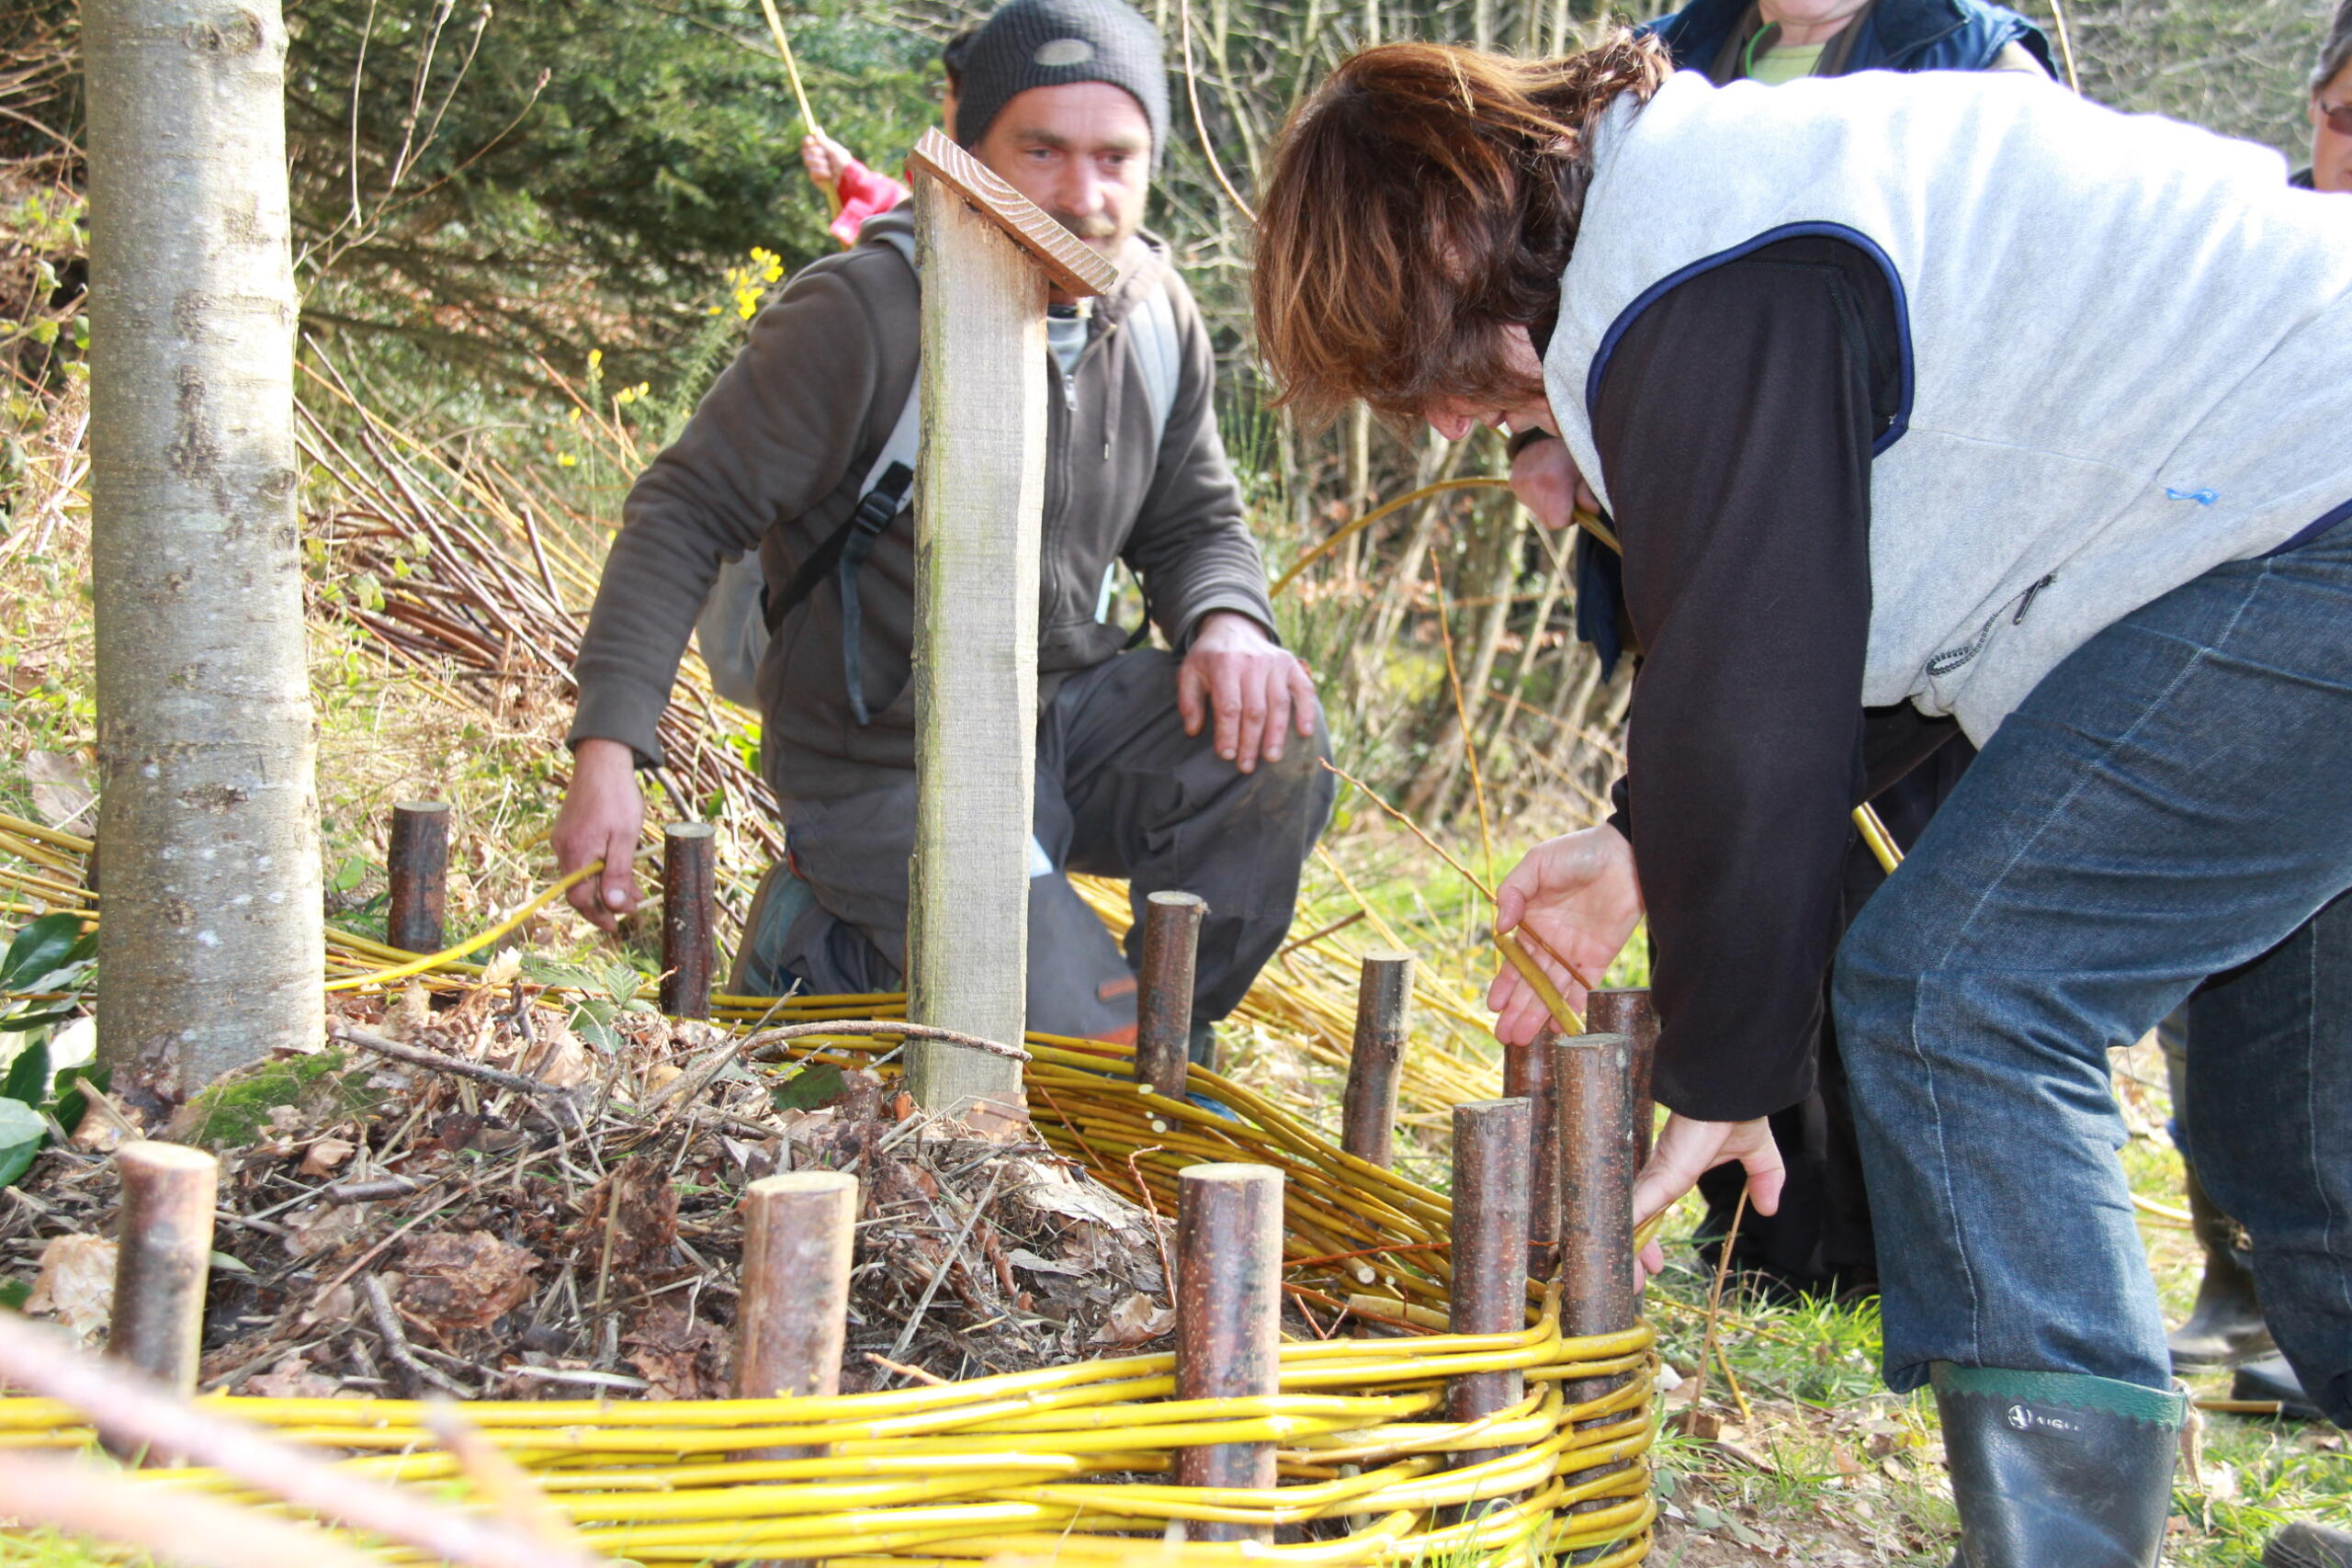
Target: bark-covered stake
(1598,1293)
(793,1316)
(418,864)
(1491,1140)
(1368,1109)
(1229,1316)
(1631,1013)
(990,256)
(1528,1075)
(1171,940)
(163,1256)
(688,872)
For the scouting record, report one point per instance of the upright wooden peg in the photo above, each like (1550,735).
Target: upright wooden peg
(1631,1012)
(991,258)
(162,1258)
(1491,1145)
(1171,940)
(417,863)
(1229,1316)
(1368,1107)
(793,1316)
(689,893)
(1528,1075)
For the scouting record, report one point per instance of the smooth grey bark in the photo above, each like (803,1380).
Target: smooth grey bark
(210,941)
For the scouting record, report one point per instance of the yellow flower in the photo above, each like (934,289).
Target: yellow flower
(596,360)
(567,461)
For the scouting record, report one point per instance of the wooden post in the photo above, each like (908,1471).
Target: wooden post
(1631,1013)
(792,1319)
(1368,1109)
(1528,1075)
(688,891)
(990,256)
(164,1255)
(1229,1316)
(1491,1185)
(1599,1291)
(418,866)
(1599,1295)
(1171,940)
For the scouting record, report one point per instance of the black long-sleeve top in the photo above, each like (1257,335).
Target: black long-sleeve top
(1735,422)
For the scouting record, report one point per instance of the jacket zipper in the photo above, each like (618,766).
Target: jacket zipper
(1952,658)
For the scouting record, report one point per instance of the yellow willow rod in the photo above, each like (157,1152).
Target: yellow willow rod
(1367,519)
(474,943)
(1875,835)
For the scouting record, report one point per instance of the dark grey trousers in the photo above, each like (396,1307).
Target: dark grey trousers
(1121,791)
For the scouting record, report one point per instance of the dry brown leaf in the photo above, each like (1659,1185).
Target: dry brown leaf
(322,1228)
(1135,1321)
(336,1304)
(467,1280)
(680,1358)
(60,789)
(75,1284)
(327,1153)
(292,1378)
(559,1060)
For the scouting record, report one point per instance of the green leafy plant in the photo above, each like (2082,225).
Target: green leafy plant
(47,966)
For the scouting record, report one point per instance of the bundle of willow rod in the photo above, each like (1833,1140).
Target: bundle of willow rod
(1041,1460)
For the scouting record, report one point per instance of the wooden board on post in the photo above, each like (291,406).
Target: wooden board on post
(990,257)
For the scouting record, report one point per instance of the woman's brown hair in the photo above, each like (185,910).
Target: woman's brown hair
(1423,199)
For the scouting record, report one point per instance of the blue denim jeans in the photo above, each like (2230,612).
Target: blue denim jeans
(2174,802)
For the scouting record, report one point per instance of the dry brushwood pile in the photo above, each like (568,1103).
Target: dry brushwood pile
(464,1199)
(393,1227)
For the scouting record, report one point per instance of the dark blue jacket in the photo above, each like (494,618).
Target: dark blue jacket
(1897,35)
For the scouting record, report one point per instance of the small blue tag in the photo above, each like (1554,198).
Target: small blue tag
(2202,497)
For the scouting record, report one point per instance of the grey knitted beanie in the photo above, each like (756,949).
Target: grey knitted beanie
(1050,43)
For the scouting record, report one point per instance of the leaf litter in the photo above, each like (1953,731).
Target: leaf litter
(465,1196)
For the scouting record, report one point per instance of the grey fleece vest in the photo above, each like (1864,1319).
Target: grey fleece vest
(2126,344)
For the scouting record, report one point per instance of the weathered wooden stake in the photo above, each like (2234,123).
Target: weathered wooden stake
(1528,1075)
(794,1313)
(1229,1316)
(1630,1012)
(689,868)
(163,1256)
(1599,1291)
(1171,940)
(990,256)
(1368,1110)
(1491,1140)
(418,864)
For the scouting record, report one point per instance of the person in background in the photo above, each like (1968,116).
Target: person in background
(1819,1241)
(2331,110)
(859,193)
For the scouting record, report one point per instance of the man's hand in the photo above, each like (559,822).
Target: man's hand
(1687,1150)
(1548,483)
(1258,691)
(1578,897)
(824,158)
(601,818)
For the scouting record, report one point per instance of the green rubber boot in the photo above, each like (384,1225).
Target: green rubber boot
(2055,1469)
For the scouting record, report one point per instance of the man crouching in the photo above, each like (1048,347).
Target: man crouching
(1196,770)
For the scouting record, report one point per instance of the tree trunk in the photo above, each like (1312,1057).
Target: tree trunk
(209,950)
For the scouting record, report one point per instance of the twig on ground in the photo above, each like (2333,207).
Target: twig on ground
(387,1319)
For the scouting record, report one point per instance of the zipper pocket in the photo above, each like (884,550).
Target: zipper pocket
(1952,658)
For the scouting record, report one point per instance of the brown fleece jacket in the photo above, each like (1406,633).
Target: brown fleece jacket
(773,460)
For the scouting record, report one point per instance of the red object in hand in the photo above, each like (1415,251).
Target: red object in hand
(864,194)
